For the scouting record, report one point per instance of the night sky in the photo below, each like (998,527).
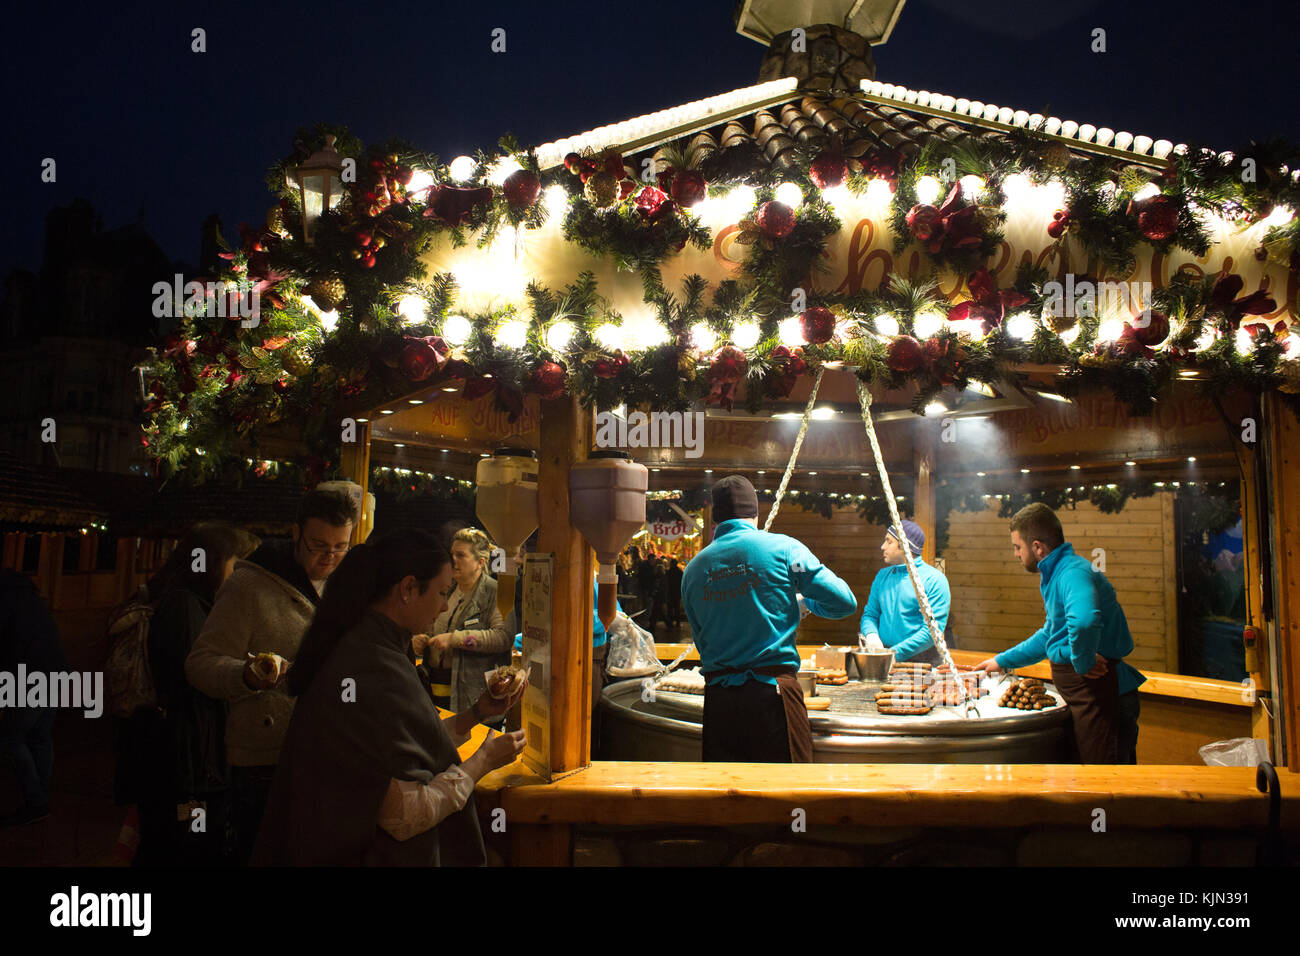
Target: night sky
(140,125)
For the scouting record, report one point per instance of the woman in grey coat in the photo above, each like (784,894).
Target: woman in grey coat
(469,637)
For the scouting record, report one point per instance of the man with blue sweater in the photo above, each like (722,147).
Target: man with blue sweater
(1084,638)
(741,596)
(892,613)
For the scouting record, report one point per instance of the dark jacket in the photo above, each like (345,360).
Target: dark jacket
(339,756)
(28,634)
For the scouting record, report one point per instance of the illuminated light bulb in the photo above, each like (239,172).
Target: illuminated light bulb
(972,186)
(838,196)
(790,332)
(502,168)
(928,323)
(742,199)
(1021,325)
(456,329)
(1086,132)
(1146,192)
(513,334)
(413,308)
(745,335)
(559,335)
(887,325)
(1280,216)
(1053,194)
(1016,187)
(1110,330)
(822,414)
(557,200)
(1142,143)
(1108,189)
(1070,334)
(421,179)
(608,335)
(972,327)
(879,193)
(1245,342)
(1206,339)
(1161,148)
(462,169)
(703,338)
(1291,345)
(936,408)
(790,194)
(928,189)
(329,320)
(646,333)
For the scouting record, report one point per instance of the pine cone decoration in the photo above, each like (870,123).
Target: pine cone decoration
(275,220)
(327,292)
(295,361)
(1056,156)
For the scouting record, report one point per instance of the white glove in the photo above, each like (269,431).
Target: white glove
(871,641)
(803,608)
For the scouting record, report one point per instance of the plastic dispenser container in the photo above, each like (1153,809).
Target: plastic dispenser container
(607,504)
(506,502)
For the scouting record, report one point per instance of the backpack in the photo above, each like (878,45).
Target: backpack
(127,673)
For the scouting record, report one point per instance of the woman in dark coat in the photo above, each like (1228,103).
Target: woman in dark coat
(369,773)
(172,760)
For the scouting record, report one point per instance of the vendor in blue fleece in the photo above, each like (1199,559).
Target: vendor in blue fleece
(741,597)
(1085,638)
(893,613)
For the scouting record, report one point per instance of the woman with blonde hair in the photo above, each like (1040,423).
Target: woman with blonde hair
(469,638)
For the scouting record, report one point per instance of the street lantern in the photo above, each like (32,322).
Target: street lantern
(319,186)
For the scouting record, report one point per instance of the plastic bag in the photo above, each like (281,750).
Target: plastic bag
(631,650)
(1238,752)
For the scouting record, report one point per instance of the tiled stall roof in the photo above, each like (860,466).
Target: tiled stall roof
(36,499)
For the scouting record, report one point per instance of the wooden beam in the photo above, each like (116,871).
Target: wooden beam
(923,459)
(1171,583)
(354,462)
(1283,461)
(566,432)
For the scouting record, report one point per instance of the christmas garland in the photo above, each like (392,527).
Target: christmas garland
(353,312)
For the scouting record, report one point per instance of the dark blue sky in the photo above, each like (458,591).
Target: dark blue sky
(137,121)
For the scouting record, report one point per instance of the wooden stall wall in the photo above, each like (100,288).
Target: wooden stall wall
(996,604)
(849,546)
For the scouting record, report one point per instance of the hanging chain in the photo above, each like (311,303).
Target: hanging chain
(864,399)
(794,454)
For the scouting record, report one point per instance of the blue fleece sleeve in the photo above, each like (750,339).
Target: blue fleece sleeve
(936,592)
(824,593)
(870,623)
(1029,651)
(1082,618)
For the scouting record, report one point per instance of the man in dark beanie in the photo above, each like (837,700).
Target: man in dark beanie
(741,595)
(893,615)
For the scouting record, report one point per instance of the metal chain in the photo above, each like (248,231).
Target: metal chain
(864,399)
(794,454)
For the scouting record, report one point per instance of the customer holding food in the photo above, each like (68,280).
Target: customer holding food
(369,774)
(469,638)
(1085,638)
(741,597)
(893,613)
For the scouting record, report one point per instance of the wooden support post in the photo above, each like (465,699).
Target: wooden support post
(541,844)
(923,459)
(1283,444)
(49,566)
(354,462)
(565,429)
(125,567)
(13,552)
(89,548)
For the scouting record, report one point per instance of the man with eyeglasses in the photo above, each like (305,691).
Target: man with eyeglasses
(264,608)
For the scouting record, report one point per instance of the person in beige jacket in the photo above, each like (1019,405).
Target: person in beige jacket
(265,607)
(469,638)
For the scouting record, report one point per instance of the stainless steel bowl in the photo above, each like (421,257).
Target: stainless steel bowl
(807,682)
(873,665)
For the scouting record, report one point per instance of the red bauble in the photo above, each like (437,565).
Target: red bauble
(587,168)
(728,365)
(776,219)
(548,380)
(649,199)
(688,188)
(453,205)
(521,188)
(573,163)
(924,222)
(905,354)
(419,359)
(626,188)
(614,165)
(1154,332)
(828,170)
(1158,218)
(817,325)
(609,367)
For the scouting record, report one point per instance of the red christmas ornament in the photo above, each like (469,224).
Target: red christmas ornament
(1158,218)
(828,170)
(728,365)
(587,168)
(817,325)
(688,188)
(548,380)
(453,205)
(419,359)
(1059,224)
(626,188)
(776,219)
(521,188)
(573,163)
(609,367)
(614,165)
(1154,331)
(648,201)
(924,222)
(905,354)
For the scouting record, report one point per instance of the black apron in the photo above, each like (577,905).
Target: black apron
(751,724)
